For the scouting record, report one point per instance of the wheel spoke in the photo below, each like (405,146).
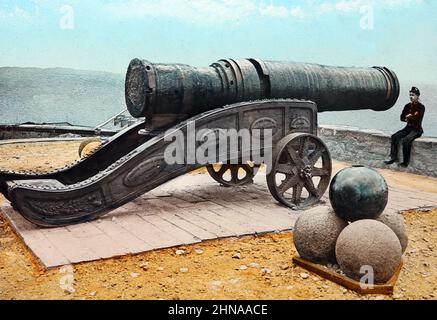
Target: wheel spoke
(293,155)
(222,169)
(285,168)
(320,172)
(297,193)
(315,155)
(309,185)
(234,173)
(303,147)
(245,167)
(288,183)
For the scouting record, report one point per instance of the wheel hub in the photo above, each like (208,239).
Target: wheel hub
(306,172)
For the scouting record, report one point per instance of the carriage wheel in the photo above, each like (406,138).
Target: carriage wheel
(230,175)
(301,171)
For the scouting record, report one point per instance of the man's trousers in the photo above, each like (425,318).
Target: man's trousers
(406,137)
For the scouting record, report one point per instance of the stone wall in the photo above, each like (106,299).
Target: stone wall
(371,148)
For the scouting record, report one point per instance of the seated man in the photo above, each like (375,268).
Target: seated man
(412,114)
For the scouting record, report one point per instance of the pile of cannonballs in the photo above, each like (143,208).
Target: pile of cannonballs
(357,233)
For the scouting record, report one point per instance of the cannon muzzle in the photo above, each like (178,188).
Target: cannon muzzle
(172,92)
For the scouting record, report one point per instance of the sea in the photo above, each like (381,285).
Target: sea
(389,121)
(88,98)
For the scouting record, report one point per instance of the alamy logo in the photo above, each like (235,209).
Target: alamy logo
(210,146)
(367,281)
(66,21)
(367,18)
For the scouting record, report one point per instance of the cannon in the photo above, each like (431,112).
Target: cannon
(168,93)
(275,103)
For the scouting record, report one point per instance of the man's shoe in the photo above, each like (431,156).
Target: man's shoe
(391,161)
(403,164)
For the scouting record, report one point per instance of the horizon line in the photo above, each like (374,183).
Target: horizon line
(123,73)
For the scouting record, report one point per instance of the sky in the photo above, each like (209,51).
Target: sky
(106,35)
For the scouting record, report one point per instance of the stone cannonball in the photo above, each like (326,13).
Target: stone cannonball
(368,243)
(315,234)
(358,193)
(395,221)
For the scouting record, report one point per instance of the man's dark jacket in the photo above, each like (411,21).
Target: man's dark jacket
(417,110)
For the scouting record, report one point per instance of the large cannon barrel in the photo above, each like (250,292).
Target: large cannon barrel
(177,89)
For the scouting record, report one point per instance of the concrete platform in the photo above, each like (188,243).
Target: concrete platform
(187,210)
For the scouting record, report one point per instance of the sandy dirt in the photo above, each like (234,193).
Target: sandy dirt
(236,268)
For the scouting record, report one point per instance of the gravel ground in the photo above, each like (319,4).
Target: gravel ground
(236,268)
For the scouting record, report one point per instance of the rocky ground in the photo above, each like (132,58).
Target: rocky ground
(237,268)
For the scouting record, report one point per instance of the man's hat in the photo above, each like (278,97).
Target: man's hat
(415,90)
